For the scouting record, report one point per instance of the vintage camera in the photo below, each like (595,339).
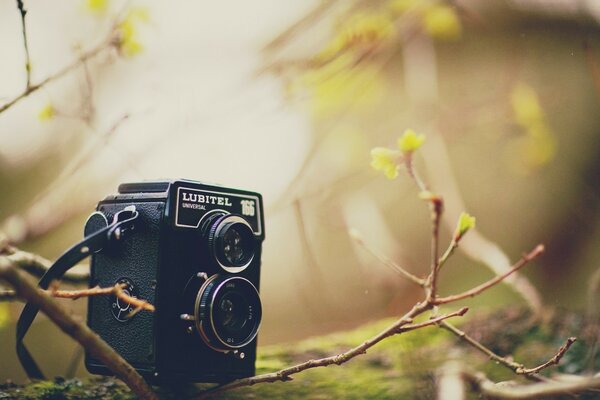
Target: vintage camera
(195,254)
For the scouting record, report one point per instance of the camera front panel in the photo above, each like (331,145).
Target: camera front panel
(208,283)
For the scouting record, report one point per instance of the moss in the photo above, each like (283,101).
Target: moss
(61,389)
(398,367)
(402,366)
(44,390)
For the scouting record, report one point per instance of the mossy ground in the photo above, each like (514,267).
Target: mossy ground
(61,389)
(403,366)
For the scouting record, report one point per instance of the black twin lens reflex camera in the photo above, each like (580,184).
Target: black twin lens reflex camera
(195,254)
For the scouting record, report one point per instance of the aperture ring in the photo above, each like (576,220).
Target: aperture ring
(218,287)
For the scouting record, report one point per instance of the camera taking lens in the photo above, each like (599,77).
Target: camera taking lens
(227,312)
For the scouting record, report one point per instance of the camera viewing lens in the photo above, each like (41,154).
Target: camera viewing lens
(237,244)
(232,242)
(228,312)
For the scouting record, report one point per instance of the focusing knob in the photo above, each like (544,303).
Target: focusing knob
(120,309)
(189,297)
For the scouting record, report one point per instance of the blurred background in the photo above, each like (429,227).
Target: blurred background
(287,99)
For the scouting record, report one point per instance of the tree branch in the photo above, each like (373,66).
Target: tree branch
(477,345)
(92,53)
(553,361)
(436,320)
(539,249)
(436,206)
(117,290)
(38,265)
(77,330)
(449,251)
(517,368)
(23,12)
(8,295)
(413,174)
(400,326)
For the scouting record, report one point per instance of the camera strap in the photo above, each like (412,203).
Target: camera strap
(123,223)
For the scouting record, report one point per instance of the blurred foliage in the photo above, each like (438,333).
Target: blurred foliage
(5,317)
(441,22)
(465,223)
(410,141)
(388,161)
(47,113)
(129,42)
(97,6)
(384,159)
(538,146)
(341,74)
(338,84)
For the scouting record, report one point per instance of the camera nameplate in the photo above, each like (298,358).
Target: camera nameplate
(192,204)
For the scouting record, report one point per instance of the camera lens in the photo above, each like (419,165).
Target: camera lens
(232,242)
(236,244)
(228,312)
(232,313)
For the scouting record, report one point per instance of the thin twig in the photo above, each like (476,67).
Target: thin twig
(31,88)
(493,356)
(8,295)
(531,391)
(77,294)
(539,249)
(38,265)
(400,326)
(27,291)
(314,15)
(116,290)
(312,264)
(553,361)
(449,251)
(138,303)
(23,12)
(436,205)
(517,368)
(355,234)
(436,320)
(412,172)
(478,247)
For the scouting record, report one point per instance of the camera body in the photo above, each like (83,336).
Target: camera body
(195,255)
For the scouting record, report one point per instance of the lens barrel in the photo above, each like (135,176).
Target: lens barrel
(227,312)
(231,241)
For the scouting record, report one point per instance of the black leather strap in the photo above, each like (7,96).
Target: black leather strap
(123,223)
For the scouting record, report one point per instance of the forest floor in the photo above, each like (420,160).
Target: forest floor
(404,366)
